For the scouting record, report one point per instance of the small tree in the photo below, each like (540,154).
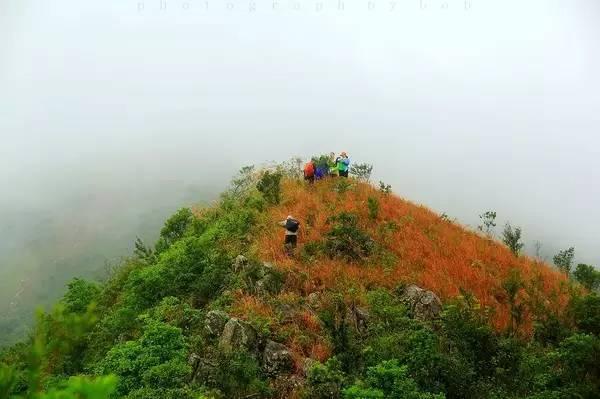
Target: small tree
(564,260)
(488,222)
(512,238)
(587,276)
(362,171)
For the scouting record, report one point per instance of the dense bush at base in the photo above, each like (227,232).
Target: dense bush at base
(142,333)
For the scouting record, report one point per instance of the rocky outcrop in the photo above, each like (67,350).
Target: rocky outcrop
(240,263)
(215,322)
(277,359)
(422,304)
(238,334)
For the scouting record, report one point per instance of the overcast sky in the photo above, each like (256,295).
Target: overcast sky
(462,106)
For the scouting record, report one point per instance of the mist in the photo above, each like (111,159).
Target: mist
(115,113)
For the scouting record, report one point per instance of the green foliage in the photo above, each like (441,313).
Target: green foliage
(373,205)
(362,171)
(269,186)
(342,185)
(587,276)
(512,286)
(142,252)
(187,265)
(174,229)
(156,360)
(385,188)
(82,388)
(233,375)
(80,294)
(324,381)
(388,380)
(586,313)
(512,239)
(488,222)
(346,240)
(241,184)
(564,260)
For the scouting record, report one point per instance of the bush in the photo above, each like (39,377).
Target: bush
(80,294)
(586,312)
(269,186)
(157,358)
(324,381)
(373,205)
(385,188)
(362,171)
(346,240)
(587,276)
(388,380)
(174,229)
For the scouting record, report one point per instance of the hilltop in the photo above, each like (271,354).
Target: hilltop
(382,298)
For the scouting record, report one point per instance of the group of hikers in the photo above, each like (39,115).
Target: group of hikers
(315,169)
(319,168)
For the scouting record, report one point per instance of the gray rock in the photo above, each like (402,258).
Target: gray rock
(238,334)
(277,359)
(240,263)
(270,283)
(423,305)
(313,300)
(215,322)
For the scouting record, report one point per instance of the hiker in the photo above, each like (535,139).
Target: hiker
(343,163)
(333,168)
(291,234)
(309,172)
(322,169)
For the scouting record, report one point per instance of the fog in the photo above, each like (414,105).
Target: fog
(116,112)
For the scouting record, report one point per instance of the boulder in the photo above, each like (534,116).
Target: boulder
(238,334)
(423,304)
(277,359)
(215,322)
(240,263)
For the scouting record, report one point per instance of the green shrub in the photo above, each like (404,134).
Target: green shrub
(157,359)
(388,380)
(587,276)
(346,240)
(174,229)
(362,171)
(80,294)
(324,381)
(373,205)
(269,186)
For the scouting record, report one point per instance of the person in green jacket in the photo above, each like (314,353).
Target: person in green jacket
(343,164)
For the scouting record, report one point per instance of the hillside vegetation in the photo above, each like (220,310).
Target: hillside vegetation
(382,299)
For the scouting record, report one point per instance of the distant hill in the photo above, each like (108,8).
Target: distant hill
(382,298)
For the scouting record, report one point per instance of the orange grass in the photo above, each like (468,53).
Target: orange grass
(438,255)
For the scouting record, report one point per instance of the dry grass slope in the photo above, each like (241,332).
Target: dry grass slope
(424,249)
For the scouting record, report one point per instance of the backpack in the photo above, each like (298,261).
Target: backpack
(309,170)
(292,225)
